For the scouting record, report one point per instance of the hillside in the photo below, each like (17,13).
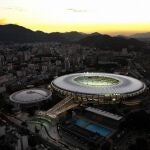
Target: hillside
(19,34)
(142,36)
(108,42)
(15,33)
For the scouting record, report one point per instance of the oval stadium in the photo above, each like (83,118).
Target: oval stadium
(102,87)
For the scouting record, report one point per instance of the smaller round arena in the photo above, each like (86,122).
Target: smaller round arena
(30,97)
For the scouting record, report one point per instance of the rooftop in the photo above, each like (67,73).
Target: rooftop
(104,113)
(30,96)
(105,84)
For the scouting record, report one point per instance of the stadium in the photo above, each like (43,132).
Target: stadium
(96,88)
(101,87)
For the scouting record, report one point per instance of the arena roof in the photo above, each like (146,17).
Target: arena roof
(104,113)
(28,96)
(102,84)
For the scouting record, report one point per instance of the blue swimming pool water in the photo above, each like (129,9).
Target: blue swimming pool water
(81,122)
(101,130)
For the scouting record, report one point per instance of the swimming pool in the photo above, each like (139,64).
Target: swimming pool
(99,129)
(81,122)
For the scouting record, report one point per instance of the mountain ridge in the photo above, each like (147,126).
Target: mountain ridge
(142,36)
(19,34)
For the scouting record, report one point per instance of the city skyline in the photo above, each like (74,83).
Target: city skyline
(109,17)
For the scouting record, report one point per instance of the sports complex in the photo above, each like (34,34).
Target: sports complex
(90,124)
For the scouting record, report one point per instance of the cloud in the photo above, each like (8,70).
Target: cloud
(76,10)
(15,8)
(2,21)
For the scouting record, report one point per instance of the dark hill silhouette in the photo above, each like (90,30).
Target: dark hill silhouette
(15,33)
(108,42)
(74,36)
(141,35)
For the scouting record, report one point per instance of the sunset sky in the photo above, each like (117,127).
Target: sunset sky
(104,16)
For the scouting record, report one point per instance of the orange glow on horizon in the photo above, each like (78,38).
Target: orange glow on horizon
(103,16)
(112,29)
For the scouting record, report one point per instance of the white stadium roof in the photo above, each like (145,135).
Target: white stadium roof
(28,96)
(126,85)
